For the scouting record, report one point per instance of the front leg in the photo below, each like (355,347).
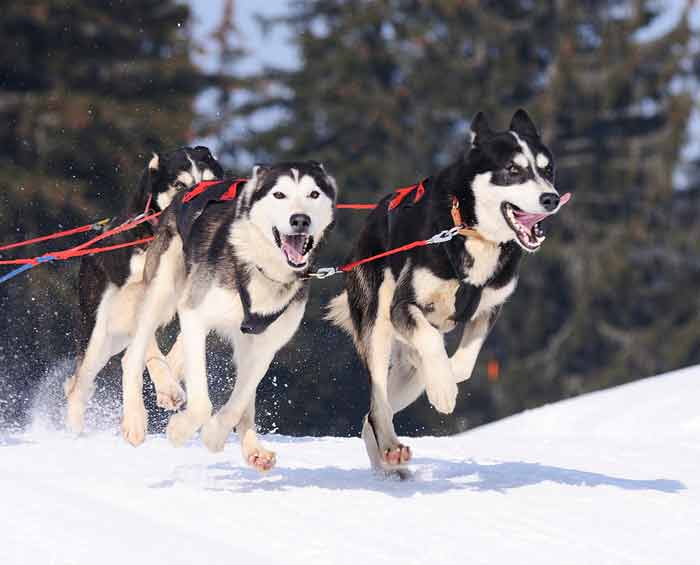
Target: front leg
(169,393)
(183,425)
(252,358)
(475,332)
(435,368)
(253,452)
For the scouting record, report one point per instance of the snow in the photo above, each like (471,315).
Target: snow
(611,477)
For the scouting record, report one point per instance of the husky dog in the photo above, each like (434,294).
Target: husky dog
(110,285)
(233,259)
(397,309)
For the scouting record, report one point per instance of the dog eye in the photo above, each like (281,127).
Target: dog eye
(279,195)
(314,194)
(179,185)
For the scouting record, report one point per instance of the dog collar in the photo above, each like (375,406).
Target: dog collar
(463,229)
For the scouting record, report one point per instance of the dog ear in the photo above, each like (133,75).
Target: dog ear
(479,128)
(523,125)
(258,174)
(149,178)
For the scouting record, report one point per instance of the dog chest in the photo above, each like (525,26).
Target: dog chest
(440,298)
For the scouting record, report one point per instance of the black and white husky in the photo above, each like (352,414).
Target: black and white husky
(110,285)
(233,259)
(398,309)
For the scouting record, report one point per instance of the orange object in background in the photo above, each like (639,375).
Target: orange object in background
(493,370)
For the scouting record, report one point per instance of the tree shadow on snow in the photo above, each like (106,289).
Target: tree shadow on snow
(429,476)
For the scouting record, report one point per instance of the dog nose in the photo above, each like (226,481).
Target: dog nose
(300,222)
(549,200)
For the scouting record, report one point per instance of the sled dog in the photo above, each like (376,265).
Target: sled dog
(110,285)
(398,309)
(233,259)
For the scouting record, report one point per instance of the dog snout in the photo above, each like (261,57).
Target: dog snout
(300,222)
(549,201)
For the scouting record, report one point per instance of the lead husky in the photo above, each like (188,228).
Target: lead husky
(110,285)
(238,267)
(398,309)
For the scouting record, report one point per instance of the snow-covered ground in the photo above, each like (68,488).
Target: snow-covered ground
(612,477)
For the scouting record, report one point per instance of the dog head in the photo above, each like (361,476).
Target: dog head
(169,173)
(292,205)
(513,185)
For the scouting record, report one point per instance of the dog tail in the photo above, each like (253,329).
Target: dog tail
(338,313)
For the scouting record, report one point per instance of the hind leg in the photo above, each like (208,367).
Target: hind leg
(80,387)
(403,388)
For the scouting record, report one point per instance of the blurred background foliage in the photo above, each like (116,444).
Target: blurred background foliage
(382,93)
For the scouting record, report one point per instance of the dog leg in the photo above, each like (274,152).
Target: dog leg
(80,387)
(176,360)
(253,452)
(464,358)
(169,394)
(403,388)
(157,307)
(435,368)
(183,425)
(253,358)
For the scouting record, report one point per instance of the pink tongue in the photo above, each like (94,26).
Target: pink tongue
(529,220)
(292,254)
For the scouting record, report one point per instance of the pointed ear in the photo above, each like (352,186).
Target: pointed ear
(154,163)
(259,172)
(479,128)
(523,125)
(149,177)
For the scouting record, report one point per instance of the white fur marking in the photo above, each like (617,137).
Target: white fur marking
(542,160)
(153,164)
(521,160)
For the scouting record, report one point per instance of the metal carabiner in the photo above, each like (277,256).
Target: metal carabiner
(444,236)
(324,273)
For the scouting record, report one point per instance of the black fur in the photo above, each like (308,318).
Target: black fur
(97,271)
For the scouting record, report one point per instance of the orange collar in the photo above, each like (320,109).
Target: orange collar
(464,230)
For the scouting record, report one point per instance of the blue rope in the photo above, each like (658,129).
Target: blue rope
(26,267)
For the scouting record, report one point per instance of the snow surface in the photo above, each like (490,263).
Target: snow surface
(612,477)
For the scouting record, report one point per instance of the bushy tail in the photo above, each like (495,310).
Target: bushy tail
(338,313)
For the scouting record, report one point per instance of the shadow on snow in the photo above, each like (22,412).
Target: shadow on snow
(429,476)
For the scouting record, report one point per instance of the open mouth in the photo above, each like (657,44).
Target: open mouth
(294,246)
(527,227)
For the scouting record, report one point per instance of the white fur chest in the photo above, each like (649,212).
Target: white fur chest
(492,297)
(484,260)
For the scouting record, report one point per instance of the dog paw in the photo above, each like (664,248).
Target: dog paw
(399,455)
(170,398)
(134,426)
(261,459)
(214,434)
(182,426)
(443,395)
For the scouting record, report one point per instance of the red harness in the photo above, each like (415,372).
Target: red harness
(402,193)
